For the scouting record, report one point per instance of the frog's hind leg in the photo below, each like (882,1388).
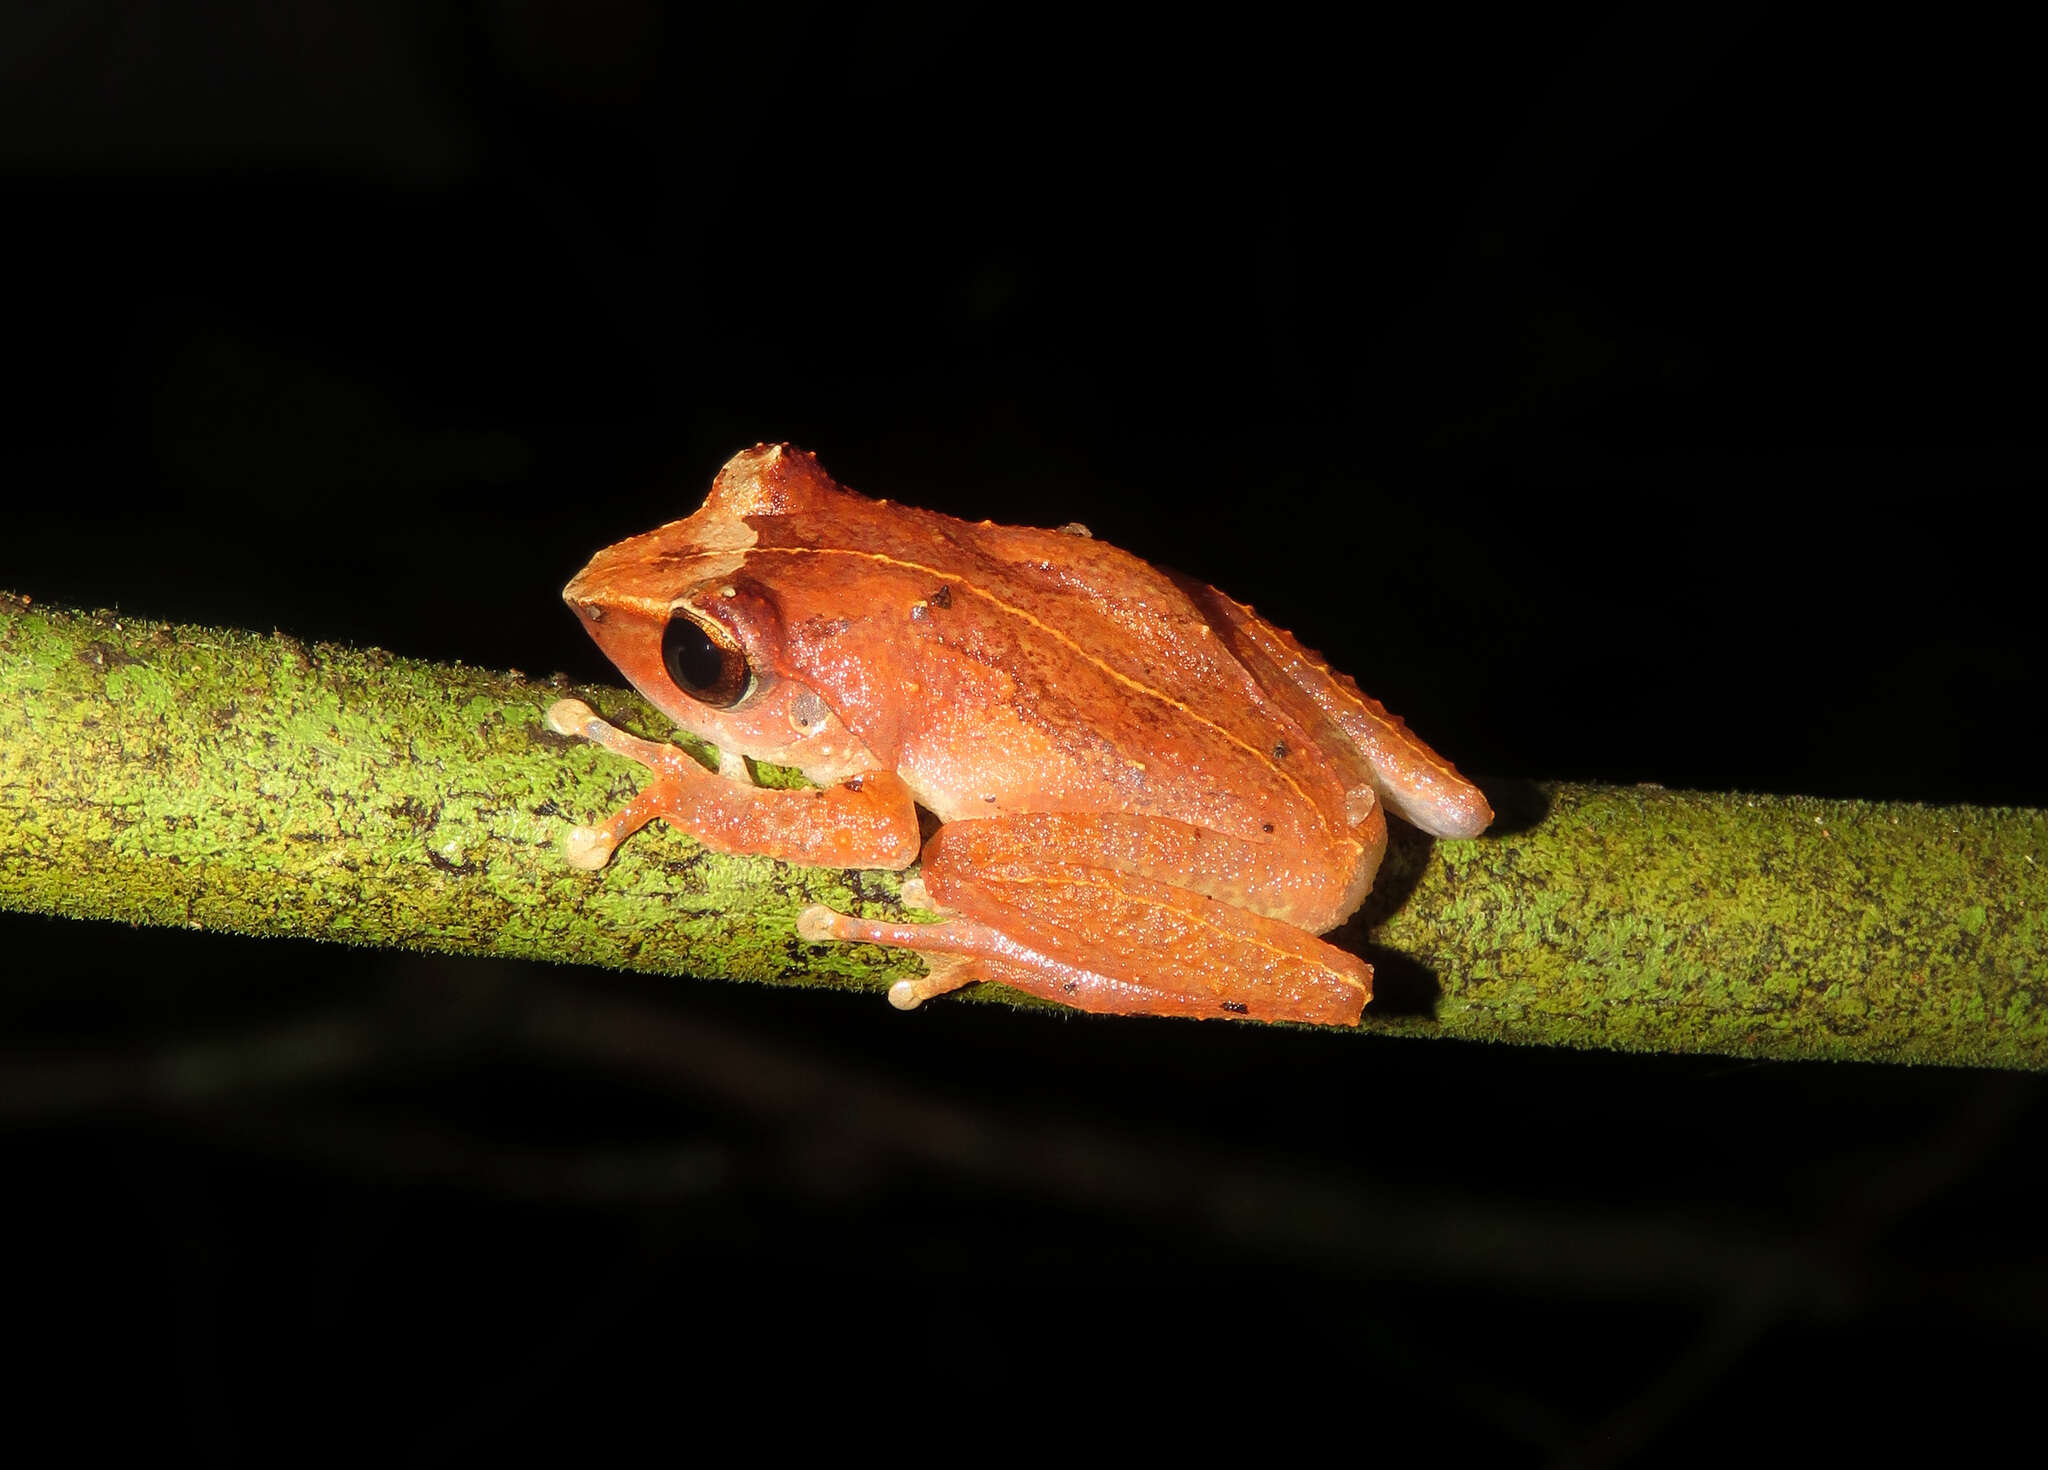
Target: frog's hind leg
(1101,939)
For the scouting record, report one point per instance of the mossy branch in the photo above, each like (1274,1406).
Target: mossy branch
(225,780)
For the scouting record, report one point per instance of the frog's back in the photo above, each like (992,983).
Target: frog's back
(1048,667)
(1045,668)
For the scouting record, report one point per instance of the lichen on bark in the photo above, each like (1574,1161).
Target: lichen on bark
(228,780)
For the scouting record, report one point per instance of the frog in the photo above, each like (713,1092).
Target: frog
(1122,790)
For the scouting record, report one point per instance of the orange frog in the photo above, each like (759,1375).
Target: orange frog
(1149,800)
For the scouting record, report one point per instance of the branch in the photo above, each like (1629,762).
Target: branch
(223,780)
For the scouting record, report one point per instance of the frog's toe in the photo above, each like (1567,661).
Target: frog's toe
(819,924)
(905,995)
(588,848)
(946,973)
(570,716)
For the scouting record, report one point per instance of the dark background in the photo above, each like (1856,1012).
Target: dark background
(1619,398)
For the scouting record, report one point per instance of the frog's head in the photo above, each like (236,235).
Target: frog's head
(678,613)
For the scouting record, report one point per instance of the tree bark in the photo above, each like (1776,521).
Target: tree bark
(226,780)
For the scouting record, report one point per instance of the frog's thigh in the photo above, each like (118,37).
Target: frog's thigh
(1312,889)
(1098,939)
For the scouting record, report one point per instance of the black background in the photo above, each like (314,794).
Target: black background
(1618,397)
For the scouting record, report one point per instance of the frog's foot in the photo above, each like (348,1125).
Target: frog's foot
(947,969)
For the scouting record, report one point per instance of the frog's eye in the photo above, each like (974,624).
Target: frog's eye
(704,661)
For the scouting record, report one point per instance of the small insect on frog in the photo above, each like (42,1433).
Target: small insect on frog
(1149,800)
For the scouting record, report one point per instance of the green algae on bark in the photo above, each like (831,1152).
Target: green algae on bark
(226,780)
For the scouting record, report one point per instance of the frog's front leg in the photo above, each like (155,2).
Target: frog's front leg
(866,821)
(1044,904)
